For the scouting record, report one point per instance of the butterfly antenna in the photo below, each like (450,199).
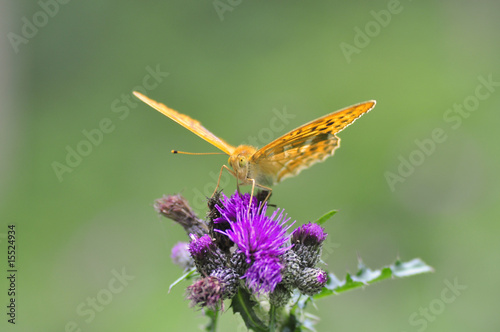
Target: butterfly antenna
(195,153)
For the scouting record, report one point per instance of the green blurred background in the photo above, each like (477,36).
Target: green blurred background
(233,70)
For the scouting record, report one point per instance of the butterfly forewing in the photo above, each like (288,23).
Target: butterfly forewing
(304,146)
(189,123)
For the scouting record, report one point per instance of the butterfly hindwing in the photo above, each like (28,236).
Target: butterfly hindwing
(306,145)
(295,157)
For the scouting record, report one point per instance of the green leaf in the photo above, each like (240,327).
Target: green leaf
(186,275)
(366,276)
(244,305)
(325,217)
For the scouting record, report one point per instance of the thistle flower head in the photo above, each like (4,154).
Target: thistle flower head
(245,243)
(261,239)
(201,247)
(206,255)
(309,234)
(210,291)
(230,206)
(307,241)
(206,292)
(229,279)
(264,274)
(311,281)
(177,208)
(255,234)
(174,207)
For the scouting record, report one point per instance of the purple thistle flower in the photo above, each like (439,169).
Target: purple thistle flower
(264,275)
(200,247)
(206,255)
(257,235)
(309,234)
(260,238)
(307,241)
(322,277)
(230,206)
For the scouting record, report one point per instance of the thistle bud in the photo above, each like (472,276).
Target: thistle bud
(307,241)
(311,281)
(206,292)
(239,262)
(229,280)
(291,270)
(177,208)
(280,296)
(206,255)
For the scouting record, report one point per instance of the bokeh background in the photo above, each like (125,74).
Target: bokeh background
(236,65)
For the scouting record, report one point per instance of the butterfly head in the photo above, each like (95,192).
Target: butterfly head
(240,161)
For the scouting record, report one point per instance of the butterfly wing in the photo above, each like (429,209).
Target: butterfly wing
(188,123)
(304,146)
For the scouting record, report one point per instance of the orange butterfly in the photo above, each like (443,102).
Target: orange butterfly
(284,157)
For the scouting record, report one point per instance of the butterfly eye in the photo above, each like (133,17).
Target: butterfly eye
(242,161)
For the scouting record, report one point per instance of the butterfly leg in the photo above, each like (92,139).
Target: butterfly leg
(269,192)
(238,187)
(220,174)
(254,184)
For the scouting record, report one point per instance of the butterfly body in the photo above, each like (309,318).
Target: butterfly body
(282,158)
(239,161)
(245,167)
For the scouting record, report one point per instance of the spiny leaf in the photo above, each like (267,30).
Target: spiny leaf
(244,305)
(366,276)
(325,217)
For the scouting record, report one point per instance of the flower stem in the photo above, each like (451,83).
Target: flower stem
(272,318)
(214,325)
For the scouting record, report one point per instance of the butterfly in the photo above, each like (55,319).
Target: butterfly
(284,157)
